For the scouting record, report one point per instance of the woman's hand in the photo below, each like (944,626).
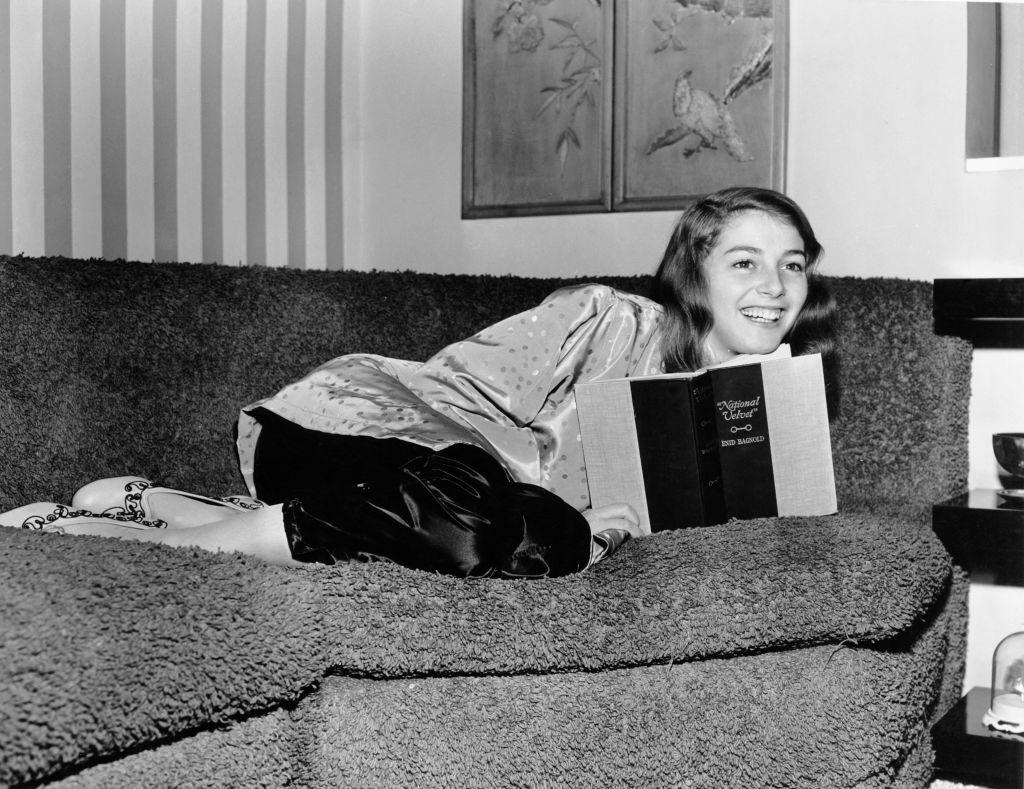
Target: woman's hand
(614,516)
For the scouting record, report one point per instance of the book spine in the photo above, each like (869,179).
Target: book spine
(709,464)
(745,452)
(675,471)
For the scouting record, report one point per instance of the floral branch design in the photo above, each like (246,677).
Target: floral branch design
(702,118)
(520,24)
(730,9)
(580,80)
(669,27)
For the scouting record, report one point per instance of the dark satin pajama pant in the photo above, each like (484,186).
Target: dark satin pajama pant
(455,511)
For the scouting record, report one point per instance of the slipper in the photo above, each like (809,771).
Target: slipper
(48,516)
(605,543)
(140,499)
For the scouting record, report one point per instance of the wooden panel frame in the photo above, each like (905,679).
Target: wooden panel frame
(569,61)
(653,152)
(721,71)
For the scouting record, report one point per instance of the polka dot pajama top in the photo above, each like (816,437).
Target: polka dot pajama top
(507,389)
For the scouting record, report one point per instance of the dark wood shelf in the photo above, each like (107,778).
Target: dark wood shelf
(984,533)
(969,752)
(988,312)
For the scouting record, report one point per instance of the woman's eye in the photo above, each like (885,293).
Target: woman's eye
(794,265)
(742,264)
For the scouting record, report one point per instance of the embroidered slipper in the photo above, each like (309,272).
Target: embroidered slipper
(49,516)
(138,498)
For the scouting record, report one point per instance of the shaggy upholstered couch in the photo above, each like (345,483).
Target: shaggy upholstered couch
(776,652)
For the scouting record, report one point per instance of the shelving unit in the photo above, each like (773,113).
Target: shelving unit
(966,751)
(988,312)
(984,533)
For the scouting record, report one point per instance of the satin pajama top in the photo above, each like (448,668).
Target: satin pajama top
(507,389)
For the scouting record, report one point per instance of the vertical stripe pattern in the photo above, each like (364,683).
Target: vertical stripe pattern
(296,123)
(275,130)
(189,109)
(139,152)
(5,124)
(210,109)
(232,133)
(165,134)
(332,135)
(113,118)
(87,132)
(255,101)
(27,181)
(57,125)
(193,130)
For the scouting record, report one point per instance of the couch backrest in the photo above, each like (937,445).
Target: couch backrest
(902,430)
(111,368)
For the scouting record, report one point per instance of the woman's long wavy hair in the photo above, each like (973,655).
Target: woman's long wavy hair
(681,287)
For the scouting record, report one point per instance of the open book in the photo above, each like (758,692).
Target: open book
(692,449)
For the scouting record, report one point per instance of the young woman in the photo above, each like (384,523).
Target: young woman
(471,463)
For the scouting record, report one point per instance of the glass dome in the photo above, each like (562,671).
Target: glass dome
(1006,702)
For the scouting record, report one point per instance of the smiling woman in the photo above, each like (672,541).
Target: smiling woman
(757,285)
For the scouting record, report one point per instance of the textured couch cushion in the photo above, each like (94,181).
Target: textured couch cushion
(902,432)
(821,716)
(109,646)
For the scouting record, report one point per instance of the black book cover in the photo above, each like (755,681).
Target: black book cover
(675,429)
(745,451)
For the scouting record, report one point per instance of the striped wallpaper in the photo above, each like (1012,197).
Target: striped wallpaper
(191,130)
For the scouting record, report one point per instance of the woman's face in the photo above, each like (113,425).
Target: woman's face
(757,283)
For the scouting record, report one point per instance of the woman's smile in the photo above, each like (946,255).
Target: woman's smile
(762,314)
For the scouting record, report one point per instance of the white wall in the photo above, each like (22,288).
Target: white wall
(876,155)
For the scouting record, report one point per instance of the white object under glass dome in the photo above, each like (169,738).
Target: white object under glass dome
(1006,702)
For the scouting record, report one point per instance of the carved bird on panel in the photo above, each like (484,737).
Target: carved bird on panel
(703,120)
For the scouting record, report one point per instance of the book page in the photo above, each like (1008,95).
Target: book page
(610,449)
(800,440)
